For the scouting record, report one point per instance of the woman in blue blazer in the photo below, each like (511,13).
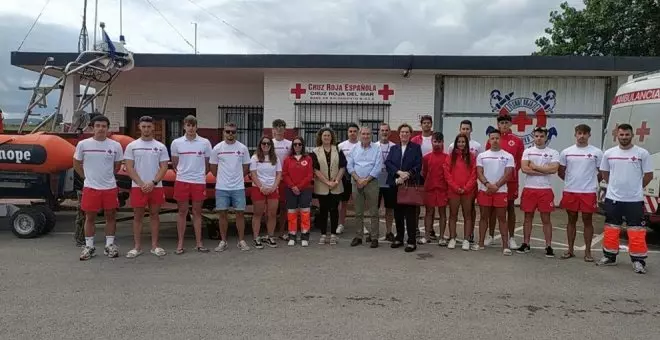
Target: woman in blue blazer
(404,164)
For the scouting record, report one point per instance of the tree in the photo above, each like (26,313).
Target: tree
(604,28)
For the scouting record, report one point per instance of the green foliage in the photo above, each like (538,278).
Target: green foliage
(604,28)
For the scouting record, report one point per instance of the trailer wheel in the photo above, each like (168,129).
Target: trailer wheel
(27,223)
(50,217)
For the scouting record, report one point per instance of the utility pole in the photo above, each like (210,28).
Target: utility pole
(83,39)
(195,24)
(96,18)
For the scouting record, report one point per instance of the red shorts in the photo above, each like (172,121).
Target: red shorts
(579,202)
(256,195)
(142,200)
(184,191)
(542,200)
(94,200)
(435,198)
(512,190)
(497,200)
(451,194)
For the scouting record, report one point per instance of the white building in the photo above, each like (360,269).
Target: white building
(310,91)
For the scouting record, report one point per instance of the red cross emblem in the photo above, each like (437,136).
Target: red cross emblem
(512,143)
(199,152)
(386,92)
(589,155)
(304,163)
(298,91)
(109,151)
(643,131)
(521,120)
(545,155)
(238,153)
(633,158)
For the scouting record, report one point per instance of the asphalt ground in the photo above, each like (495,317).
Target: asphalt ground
(322,292)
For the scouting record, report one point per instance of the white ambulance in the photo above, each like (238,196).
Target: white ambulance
(637,102)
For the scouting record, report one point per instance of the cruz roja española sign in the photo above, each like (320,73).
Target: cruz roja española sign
(350,92)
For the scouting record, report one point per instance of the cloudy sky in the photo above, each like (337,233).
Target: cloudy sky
(445,27)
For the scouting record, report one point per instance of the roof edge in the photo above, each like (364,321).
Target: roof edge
(372,61)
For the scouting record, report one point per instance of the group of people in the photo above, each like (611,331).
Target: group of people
(286,178)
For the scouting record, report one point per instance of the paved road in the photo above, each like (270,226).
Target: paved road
(320,292)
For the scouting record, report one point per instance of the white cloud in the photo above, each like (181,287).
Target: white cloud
(446,27)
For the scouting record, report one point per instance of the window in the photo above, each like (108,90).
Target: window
(249,122)
(310,117)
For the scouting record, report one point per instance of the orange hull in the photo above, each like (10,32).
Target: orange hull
(38,153)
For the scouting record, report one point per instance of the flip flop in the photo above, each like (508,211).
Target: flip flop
(588,259)
(202,249)
(567,255)
(179,251)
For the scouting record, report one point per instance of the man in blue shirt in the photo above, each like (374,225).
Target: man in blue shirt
(364,165)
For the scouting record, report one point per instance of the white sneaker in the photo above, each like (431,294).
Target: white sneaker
(507,252)
(292,242)
(475,247)
(340,229)
(422,240)
(488,241)
(466,245)
(221,247)
(442,242)
(304,243)
(452,244)
(242,245)
(322,239)
(512,243)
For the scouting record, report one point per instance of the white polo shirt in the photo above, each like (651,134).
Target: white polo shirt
(98,158)
(347,146)
(266,172)
(282,149)
(192,154)
(147,156)
(494,164)
(582,165)
(230,159)
(475,147)
(541,157)
(627,169)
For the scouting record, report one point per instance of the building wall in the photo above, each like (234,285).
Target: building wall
(577,100)
(413,96)
(202,89)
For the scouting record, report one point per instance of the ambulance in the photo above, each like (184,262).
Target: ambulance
(637,102)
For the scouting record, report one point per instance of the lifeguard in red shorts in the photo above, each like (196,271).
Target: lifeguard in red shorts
(627,169)
(97,159)
(539,162)
(578,167)
(190,160)
(146,164)
(435,190)
(494,168)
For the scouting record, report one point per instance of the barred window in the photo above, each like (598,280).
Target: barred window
(249,122)
(310,117)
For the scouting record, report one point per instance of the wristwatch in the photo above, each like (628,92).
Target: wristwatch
(155,182)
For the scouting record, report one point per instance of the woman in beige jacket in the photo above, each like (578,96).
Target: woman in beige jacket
(329,167)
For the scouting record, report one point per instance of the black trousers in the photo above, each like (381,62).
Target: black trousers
(405,219)
(328,205)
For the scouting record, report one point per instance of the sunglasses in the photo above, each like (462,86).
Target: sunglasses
(230,132)
(297,144)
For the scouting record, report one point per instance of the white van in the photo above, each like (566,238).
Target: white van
(637,102)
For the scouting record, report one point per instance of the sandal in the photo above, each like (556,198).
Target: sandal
(588,259)
(159,251)
(202,249)
(133,253)
(567,255)
(179,251)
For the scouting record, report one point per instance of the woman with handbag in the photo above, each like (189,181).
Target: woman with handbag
(460,171)
(329,166)
(404,165)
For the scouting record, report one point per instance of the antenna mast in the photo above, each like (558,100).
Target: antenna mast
(83,39)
